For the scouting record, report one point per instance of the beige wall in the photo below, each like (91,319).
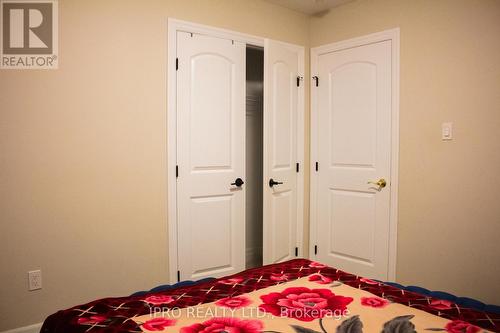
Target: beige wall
(449,211)
(83,151)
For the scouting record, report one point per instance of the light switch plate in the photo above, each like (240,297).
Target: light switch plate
(447,131)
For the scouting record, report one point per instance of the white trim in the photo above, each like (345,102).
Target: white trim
(265,160)
(174,26)
(313,153)
(301,154)
(393,225)
(191,27)
(35,328)
(172,150)
(394,36)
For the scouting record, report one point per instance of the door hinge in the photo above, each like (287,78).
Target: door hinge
(299,78)
(176,171)
(297,167)
(178,276)
(317,166)
(315,78)
(315,249)
(176,64)
(296,251)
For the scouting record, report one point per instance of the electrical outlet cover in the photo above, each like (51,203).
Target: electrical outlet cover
(35,280)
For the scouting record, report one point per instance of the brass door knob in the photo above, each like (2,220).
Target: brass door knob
(381,183)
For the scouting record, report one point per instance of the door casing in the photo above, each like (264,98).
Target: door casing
(174,26)
(393,36)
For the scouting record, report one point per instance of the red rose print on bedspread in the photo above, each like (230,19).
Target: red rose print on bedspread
(158,324)
(159,299)
(230,325)
(374,302)
(304,304)
(279,277)
(315,264)
(231,281)
(368,281)
(459,326)
(91,320)
(440,304)
(234,302)
(321,279)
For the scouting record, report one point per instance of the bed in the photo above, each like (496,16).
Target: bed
(299,296)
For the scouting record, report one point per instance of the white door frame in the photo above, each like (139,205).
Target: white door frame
(393,36)
(174,26)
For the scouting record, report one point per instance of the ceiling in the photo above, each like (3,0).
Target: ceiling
(310,7)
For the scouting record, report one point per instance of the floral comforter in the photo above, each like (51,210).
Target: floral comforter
(298,296)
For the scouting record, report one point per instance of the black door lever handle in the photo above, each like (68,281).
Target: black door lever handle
(272,182)
(238,182)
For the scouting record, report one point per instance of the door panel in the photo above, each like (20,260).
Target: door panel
(211,84)
(282,229)
(283,112)
(210,156)
(354,131)
(351,214)
(281,63)
(211,221)
(353,136)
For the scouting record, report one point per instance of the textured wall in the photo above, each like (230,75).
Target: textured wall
(83,148)
(449,216)
(83,151)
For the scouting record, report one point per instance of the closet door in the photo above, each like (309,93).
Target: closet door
(210,156)
(282,85)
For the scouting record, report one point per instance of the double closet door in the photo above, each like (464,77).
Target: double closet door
(211,154)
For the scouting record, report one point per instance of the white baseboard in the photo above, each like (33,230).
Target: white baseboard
(35,328)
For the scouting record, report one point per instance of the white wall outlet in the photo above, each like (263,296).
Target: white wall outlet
(447,131)
(35,280)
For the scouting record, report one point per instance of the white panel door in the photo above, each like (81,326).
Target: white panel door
(210,156)
(281,69)
(354,148)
